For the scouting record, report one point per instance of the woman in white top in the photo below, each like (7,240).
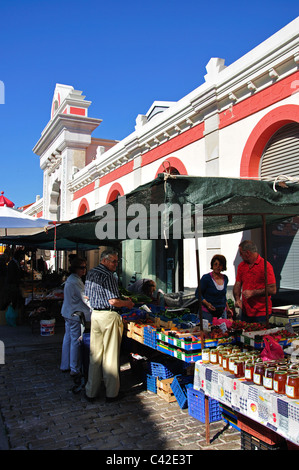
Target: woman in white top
(74,302)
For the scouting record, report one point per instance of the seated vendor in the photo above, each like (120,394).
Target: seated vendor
(144,286)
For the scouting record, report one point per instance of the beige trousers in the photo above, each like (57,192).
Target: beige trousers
(105,340)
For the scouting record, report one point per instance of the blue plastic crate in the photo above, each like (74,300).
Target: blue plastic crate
(150,336)
(196,406)
(179,386)
(159,370)
(229,416)
(151,383)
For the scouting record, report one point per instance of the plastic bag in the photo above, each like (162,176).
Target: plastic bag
(218,321)
(272,350)
(11,316)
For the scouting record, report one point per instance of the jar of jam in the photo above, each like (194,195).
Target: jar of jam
(268,378)
(225,359)
(282,362)
(231,363)
(220,354)
(282,367)
(235,350)
(292,386)
(279,381)
(239,369)
(214,356)
(205,356)
(258,373)
(249,368)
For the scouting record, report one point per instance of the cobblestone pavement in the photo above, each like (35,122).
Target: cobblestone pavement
(39,411)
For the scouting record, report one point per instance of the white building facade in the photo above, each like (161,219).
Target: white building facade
(242,121)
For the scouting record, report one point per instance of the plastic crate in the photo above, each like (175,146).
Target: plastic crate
(196,406)
(168,367)
(151,383)
(160,370)
(150,336)
(179,386)
(249,442)
(229,416)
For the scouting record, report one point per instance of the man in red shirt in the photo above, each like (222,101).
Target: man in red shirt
(250,281)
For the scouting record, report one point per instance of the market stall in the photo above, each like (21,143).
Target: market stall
(216,206)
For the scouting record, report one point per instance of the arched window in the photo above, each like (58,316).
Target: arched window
(83,207)
(115,191)
(172,165)
(280,156)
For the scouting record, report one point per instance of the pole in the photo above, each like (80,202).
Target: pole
(199,293)
(266,270)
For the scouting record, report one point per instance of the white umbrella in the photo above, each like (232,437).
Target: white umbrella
(14,222)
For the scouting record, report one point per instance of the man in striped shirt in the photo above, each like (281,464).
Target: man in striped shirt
(106,327)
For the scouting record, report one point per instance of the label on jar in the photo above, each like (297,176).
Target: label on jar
(257,379)
(213,357)
(206,356)
(248,374)
(290,391)
(268,382)
(275,385)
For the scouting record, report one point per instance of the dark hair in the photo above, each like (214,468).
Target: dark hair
(76,263)
(146,287)
(221,259)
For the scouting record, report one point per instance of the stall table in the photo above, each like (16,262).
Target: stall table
(277,412)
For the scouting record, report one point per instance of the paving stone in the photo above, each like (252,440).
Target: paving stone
(40,412)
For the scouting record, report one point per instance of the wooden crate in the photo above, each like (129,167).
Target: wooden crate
(163,324)
(138,329)
(137,337)
(164,390)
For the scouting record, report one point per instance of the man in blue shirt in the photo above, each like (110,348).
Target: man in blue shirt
(106,327)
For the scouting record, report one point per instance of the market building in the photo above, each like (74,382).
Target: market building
(242,122)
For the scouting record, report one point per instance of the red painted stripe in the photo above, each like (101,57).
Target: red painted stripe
(251,105)
(118,173)
(81,192)
(261,100)
(39,214)
(176,143)
(77,111)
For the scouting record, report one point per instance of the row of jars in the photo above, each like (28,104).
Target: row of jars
(280,376)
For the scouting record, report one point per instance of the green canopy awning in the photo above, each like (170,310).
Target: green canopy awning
(228,205)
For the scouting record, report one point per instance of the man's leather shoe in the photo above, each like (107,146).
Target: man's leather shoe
(118,397)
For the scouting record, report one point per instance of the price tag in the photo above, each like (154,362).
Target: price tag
(223,327)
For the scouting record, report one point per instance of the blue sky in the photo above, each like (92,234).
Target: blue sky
(123,55)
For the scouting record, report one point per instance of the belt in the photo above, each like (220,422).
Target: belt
(117,310)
